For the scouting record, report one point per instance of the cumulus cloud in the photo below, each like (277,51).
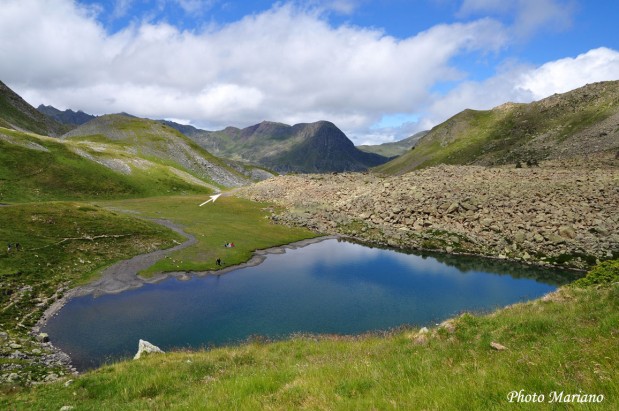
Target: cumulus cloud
(524,83)
(286,64)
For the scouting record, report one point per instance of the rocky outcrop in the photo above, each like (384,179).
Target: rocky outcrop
(560,213)
(144,347)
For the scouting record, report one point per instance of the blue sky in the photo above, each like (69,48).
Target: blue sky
(380,70)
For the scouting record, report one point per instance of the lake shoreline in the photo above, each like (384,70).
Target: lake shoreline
(108,278)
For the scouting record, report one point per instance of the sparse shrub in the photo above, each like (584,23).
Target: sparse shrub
(518,164)
(604,273)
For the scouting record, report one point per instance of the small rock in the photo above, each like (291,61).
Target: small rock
(15,346)
(68,382)
(146,347)
(453,207)
(567,232)
(420,339)
(43,337)
(498,346)
(51,377)
(67,408)
(448,326)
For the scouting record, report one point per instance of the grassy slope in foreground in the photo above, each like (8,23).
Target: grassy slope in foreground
(229,219)
(563,343)
(35,168)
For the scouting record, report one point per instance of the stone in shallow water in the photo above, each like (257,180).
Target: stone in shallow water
(146,347)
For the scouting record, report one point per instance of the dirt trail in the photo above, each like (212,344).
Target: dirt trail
(123,275)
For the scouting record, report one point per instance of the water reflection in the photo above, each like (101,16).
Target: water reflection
(328,287)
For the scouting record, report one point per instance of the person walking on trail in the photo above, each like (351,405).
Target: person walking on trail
(218,261)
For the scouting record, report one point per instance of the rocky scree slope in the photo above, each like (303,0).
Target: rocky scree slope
(157,142)
(580,122)
(308,147)
(559,214)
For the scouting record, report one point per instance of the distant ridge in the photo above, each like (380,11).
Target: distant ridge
(68,117)
(573,124)
(395,148)
(17,114)
(308,147)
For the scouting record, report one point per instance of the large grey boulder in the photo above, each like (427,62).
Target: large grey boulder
(144,347)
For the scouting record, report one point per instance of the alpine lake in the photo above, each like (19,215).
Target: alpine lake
(328,287)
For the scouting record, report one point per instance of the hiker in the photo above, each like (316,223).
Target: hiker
(8,249)
(18,246)
(218,261)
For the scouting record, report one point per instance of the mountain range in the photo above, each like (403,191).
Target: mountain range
(396,148)
(573,124)
(67,117)
(307,147)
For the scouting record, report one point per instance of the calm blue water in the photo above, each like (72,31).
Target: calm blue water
(327,287)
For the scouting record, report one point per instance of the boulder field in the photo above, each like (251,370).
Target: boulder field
(562,213)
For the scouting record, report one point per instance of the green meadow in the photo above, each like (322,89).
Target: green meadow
(227,220)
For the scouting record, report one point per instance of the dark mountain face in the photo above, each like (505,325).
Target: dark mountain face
(323,148)
(17,114)
(68,117)
(307,147)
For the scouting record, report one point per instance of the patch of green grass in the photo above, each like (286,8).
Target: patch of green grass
(63,243)
(27,174)
(228,220)
(564,343)
(604,273)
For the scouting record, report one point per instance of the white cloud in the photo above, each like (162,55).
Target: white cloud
(523,84)
(528,16)
(121,7)
(196,6)
(286,64)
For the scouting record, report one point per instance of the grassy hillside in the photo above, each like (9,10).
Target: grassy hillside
(397,148)
(565,343)
(62,245)
(577,123)
(34,168)
(313,147)
(16,113)
(158,143)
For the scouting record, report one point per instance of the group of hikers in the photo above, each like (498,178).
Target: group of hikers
(218,261)
(11,247)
